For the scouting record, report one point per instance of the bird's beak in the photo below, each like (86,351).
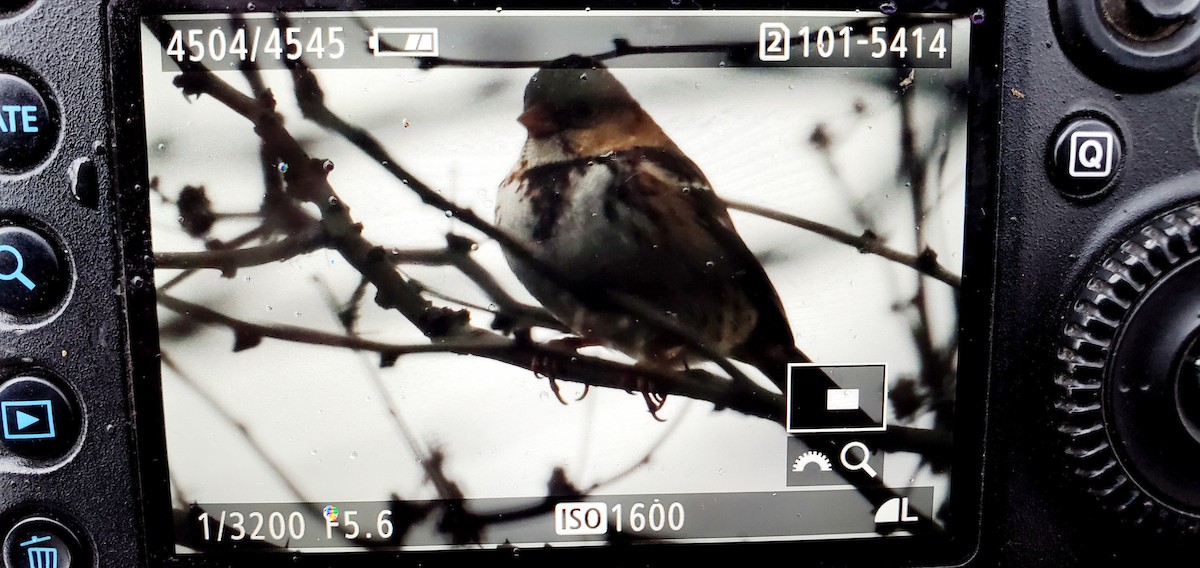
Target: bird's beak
(538,121)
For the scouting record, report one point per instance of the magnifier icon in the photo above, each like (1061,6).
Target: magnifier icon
(862,464)
(17,273)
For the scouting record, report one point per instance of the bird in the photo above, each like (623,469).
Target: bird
(602,194)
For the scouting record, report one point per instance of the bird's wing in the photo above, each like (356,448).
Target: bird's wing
(696,228)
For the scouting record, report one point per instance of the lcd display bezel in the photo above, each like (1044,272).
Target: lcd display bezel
(954,547)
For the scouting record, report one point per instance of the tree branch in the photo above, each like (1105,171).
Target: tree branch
(867,243)
(228,261)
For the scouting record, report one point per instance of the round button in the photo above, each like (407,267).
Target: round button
(33,276)
(39,421)
(1086,156)
(41,542)
(27,130)
(9,7)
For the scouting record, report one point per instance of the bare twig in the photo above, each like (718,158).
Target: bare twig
(229,260)
(867,243)
(458,254)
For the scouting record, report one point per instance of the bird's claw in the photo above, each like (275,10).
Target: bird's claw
(547,365)
(654,403)
(654,400)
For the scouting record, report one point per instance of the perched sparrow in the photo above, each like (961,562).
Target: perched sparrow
(603,194)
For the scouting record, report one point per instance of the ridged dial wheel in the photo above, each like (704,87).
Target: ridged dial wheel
(1128,405)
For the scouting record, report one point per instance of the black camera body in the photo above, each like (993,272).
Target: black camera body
(1074,416)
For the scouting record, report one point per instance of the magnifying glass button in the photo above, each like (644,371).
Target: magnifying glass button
(33,275)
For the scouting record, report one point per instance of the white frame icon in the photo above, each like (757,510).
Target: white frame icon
(787,420)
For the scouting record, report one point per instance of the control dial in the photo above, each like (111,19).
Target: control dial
(1156,42)
(1129,376)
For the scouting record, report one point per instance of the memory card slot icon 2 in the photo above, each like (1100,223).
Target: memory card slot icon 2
(404,42)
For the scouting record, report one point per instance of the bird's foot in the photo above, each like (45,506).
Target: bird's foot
(654,403)
(547,364)
(635,381)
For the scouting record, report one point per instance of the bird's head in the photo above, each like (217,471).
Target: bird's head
(577,97)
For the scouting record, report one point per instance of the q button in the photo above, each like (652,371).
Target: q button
(1086,156)
(33,276)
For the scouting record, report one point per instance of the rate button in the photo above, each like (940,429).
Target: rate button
(28,130)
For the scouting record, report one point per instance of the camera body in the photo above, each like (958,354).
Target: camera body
(1072,442)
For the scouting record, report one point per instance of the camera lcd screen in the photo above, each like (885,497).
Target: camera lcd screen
(429,280)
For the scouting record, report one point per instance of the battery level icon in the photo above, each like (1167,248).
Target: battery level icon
(404,42)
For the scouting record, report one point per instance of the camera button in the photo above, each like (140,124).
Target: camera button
(33,275)
(41,542)
(38,420)
(1086,156)
(28,128)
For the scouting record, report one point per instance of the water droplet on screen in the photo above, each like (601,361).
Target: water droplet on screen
(162,147)
(353,455)
(333,200)
(270,308)
(312,453)
(283,167)
(251,7)
(697,85)
(137,281)
(721,64)
(499,9)
(327,165)
(474,246)
(888,8)
(978,16)
(449,213)
(583,77)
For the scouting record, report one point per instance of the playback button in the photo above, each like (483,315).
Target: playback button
(38,420)
(33,275)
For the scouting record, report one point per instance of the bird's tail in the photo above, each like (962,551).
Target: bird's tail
(773,361)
